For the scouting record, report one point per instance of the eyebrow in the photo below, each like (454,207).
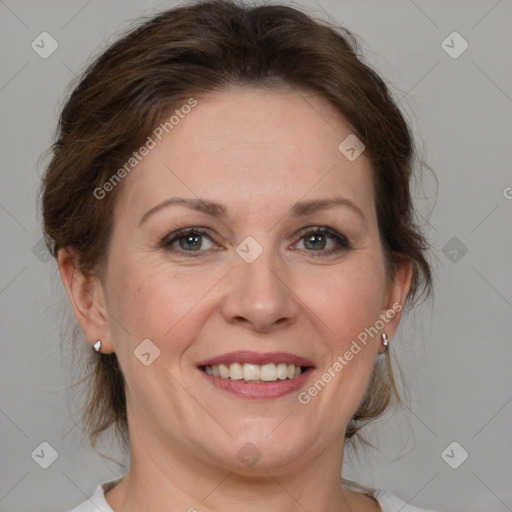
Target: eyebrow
(299,209)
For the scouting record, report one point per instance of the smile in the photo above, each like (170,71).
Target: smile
(256,375)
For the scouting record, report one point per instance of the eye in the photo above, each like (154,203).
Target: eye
(317,239)
(188,240)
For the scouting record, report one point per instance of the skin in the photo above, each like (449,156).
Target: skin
(257,152)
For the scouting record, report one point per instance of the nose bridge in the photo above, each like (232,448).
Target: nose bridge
(259,293)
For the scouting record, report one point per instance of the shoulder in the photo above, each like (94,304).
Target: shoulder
(390,503)
(97,502)
(387,501)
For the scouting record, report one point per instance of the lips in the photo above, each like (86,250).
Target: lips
(257,375)
(257,358)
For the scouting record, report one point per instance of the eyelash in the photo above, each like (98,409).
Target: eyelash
(340,239)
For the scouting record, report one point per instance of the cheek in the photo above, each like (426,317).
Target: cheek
(152,299)
(347,300)
(346,305)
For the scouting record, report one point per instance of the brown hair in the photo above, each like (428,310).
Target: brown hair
(206,47)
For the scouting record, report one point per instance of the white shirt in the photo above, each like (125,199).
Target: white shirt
(387,501)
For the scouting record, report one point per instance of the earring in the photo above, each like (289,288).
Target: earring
(97,346)
(385,341)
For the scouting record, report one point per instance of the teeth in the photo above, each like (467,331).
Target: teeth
(269,372)
(249,372)
(282,371)
(235,371)
(224,370)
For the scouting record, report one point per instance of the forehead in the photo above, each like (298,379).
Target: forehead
(250,146)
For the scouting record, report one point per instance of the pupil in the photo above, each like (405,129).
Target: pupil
(315,237)
(191,238)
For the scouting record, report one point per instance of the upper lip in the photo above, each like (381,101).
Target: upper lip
(246,356)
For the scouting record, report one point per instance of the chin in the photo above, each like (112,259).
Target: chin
(249,453)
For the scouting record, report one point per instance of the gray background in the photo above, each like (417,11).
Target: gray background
(455,354)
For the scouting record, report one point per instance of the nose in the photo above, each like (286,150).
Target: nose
(260,294)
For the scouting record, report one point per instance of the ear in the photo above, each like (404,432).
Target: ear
(87,298)
(398,290)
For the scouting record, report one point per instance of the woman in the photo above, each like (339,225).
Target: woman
(228,203)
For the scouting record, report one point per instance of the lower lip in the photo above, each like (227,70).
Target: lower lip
(255,390)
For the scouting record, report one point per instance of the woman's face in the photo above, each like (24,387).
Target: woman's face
(286,269)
